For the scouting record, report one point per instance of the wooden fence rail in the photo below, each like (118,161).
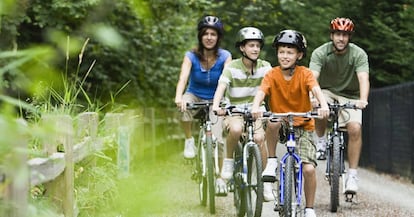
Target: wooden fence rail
(69,141)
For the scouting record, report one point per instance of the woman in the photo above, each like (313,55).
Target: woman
(201,68)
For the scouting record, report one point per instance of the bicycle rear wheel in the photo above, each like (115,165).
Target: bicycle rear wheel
(210,172)
(289,193)
(335,172)
(239,188)
(254,187)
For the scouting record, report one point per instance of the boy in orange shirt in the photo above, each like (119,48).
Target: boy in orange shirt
(288,87)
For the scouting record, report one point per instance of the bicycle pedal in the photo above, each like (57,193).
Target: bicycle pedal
(269,179)
(350,196)
(277,208)
(194,176)
(188,161)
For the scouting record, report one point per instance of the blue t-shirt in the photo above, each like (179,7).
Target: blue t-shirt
(202,82)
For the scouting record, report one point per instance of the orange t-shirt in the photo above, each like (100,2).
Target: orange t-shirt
(290,96)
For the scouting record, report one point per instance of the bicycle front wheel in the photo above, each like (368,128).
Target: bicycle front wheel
(254,186)
(210,172)
(335,172)
(289,193)
(239,187)
(200,170)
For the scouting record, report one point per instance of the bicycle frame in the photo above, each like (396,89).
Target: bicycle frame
(246,163)
(286,205)
(290,145)
(206,173)
(335,162)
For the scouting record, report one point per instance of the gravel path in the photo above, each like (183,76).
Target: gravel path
(165,189)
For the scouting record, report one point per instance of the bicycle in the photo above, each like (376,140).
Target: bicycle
(289,193)
(335,149)
(206,160)
(246,180)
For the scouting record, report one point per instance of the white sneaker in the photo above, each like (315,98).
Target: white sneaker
(189,148)
(269,173)
(268,192)
(351,186)
(228,168)
(309,212)
(321,149)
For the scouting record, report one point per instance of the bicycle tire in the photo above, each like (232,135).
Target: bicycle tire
(239,201)
(201,178)
(289,184)
(335,173)
(210,173)
(254,188)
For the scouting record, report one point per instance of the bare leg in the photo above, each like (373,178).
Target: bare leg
(233,138)
(309,174)
(272,137)
(354,144)
(187,125)
(320,126)
(260,141)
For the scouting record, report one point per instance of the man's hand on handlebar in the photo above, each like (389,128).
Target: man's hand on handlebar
(361,104)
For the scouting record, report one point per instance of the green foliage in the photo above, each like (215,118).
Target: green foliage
(388,33)
(141,42)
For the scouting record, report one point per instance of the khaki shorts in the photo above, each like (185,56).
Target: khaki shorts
(228,120)
(346,115)
(216,121)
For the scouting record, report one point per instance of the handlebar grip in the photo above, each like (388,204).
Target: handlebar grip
(267,114)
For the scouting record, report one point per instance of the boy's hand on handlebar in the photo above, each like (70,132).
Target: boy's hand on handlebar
(323,111)
(256,113)
(219,111)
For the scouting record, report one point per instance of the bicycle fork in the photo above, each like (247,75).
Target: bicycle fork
(298,180)
(215,155)
(329,160)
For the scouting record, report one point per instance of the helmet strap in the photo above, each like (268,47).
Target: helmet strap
(252,60)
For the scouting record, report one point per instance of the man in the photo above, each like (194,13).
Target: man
(342,71)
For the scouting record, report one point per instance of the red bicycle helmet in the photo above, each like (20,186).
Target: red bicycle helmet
(211,21)
(342,24)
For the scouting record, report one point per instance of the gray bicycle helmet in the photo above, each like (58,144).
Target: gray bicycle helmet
(291,37)
(249,33)
(211,21)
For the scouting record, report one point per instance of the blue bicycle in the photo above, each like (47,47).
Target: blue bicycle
(289,194)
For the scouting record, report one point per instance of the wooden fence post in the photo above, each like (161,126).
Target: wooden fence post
(61,189)
(116,124)
(17,174)
(87,125)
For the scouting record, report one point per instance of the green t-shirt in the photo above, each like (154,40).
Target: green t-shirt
(338,73)
(241,85)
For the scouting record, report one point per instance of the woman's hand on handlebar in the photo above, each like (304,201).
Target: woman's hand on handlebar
(182,105)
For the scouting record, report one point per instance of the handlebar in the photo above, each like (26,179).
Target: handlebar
(337,105)
(309,114)
(197,105)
